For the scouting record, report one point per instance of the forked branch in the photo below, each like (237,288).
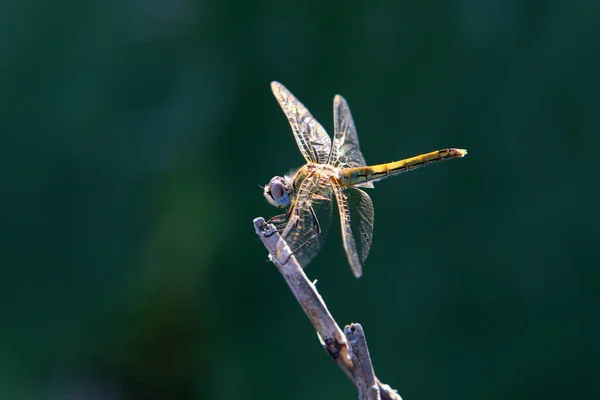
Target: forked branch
(348,348)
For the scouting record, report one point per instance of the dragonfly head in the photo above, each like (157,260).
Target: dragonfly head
(278,192)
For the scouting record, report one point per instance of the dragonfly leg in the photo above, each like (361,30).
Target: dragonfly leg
(304,243)
(279,221)
(311,234)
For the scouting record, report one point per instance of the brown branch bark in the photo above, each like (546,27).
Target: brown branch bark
(348,348)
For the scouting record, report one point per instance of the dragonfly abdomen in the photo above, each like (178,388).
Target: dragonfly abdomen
(358,175)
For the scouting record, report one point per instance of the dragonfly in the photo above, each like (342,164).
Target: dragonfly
(332,170)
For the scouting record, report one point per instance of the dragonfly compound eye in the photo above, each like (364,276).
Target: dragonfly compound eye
(277,193)
(277,190)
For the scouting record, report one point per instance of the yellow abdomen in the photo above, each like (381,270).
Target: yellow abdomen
(358,175)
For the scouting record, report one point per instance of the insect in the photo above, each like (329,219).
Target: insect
(332,170)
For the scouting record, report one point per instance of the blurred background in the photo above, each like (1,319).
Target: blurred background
(135,135)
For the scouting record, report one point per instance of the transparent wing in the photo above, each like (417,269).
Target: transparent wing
(357,217)
(309,219)
(345,151)
(312,140)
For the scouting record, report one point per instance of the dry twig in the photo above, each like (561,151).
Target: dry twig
(349,348)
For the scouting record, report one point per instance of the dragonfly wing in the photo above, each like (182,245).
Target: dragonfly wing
(345,151)
(312,140)
(357,217)
(309,219)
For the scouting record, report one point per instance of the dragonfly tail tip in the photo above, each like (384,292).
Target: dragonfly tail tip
(459,153)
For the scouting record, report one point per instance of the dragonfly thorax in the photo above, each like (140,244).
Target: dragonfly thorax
(278,192)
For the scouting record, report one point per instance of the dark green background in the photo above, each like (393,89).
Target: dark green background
(135,133)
